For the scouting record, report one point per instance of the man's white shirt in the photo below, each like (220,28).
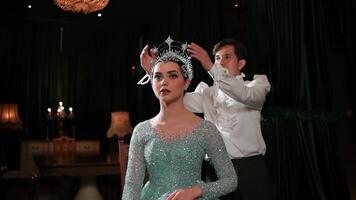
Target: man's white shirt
(234,106)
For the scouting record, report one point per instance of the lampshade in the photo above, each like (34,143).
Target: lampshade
(9,117)
(120,125)
(85,6)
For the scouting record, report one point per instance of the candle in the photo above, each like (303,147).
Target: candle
(49,117)
(71,114)
(71,121)
(61,107)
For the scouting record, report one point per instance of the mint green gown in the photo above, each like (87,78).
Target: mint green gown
(177,163)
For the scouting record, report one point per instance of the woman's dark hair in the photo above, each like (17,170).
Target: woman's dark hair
(240,48)
(180,64)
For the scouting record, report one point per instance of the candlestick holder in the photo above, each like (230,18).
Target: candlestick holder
(60,124)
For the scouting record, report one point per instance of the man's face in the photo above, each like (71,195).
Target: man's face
(227,58)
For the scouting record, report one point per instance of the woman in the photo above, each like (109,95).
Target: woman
(171,146)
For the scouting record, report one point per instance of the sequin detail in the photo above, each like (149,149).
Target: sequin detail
(176,164)
(175,134)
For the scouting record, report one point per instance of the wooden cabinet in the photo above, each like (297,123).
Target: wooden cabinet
(38,147)
(88,146)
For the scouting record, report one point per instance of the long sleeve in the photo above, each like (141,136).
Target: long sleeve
(193,100)
(135,168)
(227,178)
(252,94)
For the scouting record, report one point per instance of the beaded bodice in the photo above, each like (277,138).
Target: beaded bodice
(177,163)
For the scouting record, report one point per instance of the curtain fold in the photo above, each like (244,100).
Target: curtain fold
(301,148)
(302,159)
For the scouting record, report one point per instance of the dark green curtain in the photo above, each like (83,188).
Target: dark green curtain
(290,38)
(301,154)
(88,67)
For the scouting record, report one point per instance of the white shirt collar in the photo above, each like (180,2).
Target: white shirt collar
(241,76)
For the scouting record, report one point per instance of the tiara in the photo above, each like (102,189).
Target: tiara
(171,50)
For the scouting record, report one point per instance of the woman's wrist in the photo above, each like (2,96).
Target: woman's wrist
(197,191)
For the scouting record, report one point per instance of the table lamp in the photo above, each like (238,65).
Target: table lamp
(10,129)
(120,128)
(120,125)
(9,117)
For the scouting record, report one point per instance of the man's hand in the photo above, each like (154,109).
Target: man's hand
(147,58)
(200,54)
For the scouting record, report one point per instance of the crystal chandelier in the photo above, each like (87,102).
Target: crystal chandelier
(85,6)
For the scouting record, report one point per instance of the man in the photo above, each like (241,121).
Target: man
(234,106)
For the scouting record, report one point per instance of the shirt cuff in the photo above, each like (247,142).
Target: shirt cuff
(217,72)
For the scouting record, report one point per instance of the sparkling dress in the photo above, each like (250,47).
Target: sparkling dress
(176,163)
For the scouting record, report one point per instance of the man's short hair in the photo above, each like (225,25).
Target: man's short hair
(240,48)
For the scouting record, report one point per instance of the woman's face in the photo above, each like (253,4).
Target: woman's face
(168,82)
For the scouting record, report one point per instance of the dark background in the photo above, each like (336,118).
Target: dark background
(306,48)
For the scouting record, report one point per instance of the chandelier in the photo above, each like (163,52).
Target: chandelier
(85,6)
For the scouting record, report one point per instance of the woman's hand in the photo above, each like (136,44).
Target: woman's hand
(200,54)
(186,194)
(147,58)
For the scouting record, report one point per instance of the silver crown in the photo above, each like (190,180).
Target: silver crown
(171,50)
